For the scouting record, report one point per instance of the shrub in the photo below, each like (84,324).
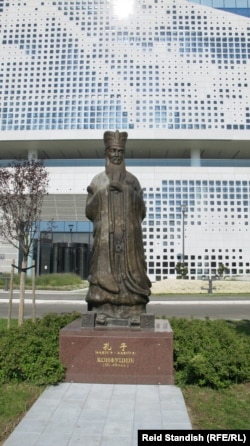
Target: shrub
(210,353)
(206,353)
(31,352)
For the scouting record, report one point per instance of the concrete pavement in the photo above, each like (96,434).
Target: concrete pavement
(71,414)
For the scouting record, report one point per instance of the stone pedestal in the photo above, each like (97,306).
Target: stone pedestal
(118,355)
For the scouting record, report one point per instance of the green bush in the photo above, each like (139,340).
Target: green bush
(31,352)
(206,353)
(211,353)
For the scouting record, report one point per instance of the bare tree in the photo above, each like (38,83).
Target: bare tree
(23,185)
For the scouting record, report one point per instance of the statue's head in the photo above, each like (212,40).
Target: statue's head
(115,146)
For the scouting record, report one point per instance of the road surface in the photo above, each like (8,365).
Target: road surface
(207,306)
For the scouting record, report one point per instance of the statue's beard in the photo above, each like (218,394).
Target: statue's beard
(115,171)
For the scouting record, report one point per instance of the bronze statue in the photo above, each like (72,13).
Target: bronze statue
(119,286)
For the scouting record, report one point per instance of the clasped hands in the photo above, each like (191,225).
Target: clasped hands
(115,186)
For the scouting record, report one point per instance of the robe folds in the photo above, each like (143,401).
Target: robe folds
(117,268)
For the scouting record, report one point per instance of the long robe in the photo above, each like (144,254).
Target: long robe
(118,269)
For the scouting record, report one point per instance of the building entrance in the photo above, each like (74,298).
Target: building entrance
(64,258)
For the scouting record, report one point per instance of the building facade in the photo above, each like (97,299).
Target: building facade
(175,75)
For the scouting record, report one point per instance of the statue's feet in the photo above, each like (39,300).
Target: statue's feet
(101,319)
(134,321)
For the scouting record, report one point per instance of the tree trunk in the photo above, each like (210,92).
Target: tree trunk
(33,292)
(22,293)
(11,294)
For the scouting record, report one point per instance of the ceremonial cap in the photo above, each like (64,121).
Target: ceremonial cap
(115,139)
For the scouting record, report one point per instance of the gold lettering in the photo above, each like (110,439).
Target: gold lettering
(106,346)
(114,361)
(123,346)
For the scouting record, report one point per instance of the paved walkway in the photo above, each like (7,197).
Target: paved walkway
(73,414)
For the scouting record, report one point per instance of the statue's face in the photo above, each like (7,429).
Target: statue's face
(115,155)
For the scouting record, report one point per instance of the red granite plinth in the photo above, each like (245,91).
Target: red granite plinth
(118,355)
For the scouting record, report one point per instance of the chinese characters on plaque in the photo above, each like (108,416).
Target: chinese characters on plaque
(108,356)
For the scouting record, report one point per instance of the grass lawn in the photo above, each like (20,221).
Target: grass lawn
(15,400)
(57,281)
(218,409)
(3,323)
